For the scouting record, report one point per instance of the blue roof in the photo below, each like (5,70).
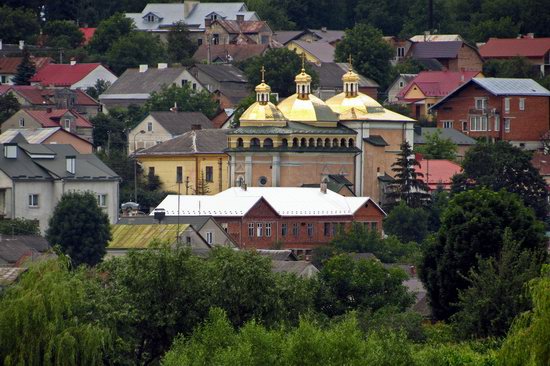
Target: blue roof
(509,86)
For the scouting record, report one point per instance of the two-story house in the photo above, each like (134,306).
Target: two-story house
(8,67)
(514,110)
(452,55)
(34,177)
(240,31)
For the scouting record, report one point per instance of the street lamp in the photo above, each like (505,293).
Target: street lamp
(135,166)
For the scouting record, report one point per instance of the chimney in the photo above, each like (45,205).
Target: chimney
(21,44)
(71,164)
(324,29)
(426,35)
(323,186)
(531,35)
(462,78)
(162,66)
(10,151)
(195,127)
(73,62)
(143,68)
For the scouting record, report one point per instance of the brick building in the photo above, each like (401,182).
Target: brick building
(514,110)
(292,218)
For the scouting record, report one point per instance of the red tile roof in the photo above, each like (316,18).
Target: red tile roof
(438,172)
(88,34)
(510,47)
(438,83)
(52,118)
(38,96)
(541,162)
(63,74)
(8,65)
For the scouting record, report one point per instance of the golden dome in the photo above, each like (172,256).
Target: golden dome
(302,77)
(262,114)
(350,77)
(341,103)
(311,109)
(263,88)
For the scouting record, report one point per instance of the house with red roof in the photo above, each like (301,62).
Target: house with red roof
(73,75)
(429,87)
(69,120)
(536,50)
(437,173)
(8,67)
(88,34)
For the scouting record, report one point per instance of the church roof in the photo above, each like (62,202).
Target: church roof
(307,110)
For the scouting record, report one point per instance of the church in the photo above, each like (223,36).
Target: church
(349,142)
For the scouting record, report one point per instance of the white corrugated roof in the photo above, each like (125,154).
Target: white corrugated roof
(286,201)
(511,86)
(33,136)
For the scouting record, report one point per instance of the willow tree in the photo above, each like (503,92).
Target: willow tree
(45,318)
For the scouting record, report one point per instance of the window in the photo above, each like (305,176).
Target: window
(179,174)
(295,229)
(506,125)
(21,122)
(464,125)
(251,230)
(447,124)
(102,200)
(401,84)
(10,151)
(150,18)
(67,124)
(481,103)
(216,39)
(33,200)
(265,39)
(268,229)
(209,176)
(310,230)
(70,162)
(497,123)
(199,41)
(151,171)
(478,123)
(521,104)
(194,86)
(259,229)
(374,226)
(506,105)
(184,83)
(262,181)
(326,229)
(150,126)
(188,240)
(284,229)
(209,238)
(400,52)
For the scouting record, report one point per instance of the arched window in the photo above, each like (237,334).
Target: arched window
(327,142)
(295,142)
(268,143)
(255,142)
(240,142)
(350,143)
(284,143)
(319,142)
(303,142)
(312,142)
(343,143)
(335,143)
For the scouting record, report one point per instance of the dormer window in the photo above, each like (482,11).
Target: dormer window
(71,164)
(10,151)
(67,124)
(21,122)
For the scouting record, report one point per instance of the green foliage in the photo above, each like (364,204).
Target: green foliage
(399,108)
(473,226)
(80,228)
(98,89)
(109,31)
(407,223)
(436,147)
(180,46)
(496,292)
(25,70)
(273,12)
(516,67)
(503,166)
(347,284)
(391,318)
(19,226)
(451,355)
(528,342)
(17,24)
(371,54)
(47,318)
(133,50)
(440,201)
(281,66)
(500,28)
(63,34)
(187,100)
(8,106)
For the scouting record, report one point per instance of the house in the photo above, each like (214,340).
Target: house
(323,35)
(302,268)
(16,250)
(336,183)
(207,228)
(195,159)
(397,85)
(160,18)
(330,80)
(315,52)
(400,46)
(220,77)
(428,87)
(282,255)
(536,50)
(37,97)
(514,110)
(541,161)
(72,76)
(437,173)
(228,53)
(69,120)
(162,126)
(144,236)
(34,177)
(463,142)
(135,86)
(52,135)
(453,55)
(222,31)
(295,218)
(283,36)
(8,67)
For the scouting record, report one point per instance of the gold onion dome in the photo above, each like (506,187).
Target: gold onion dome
(350,77)
(303,77)
(263,88)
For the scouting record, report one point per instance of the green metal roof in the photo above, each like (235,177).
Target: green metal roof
(141,236)
(293,128)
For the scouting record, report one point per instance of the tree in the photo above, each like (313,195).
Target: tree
(98,89)
(80,228)
(439,202)
(473,226)
(499,28)
(496,292)
(203,187)
(407,186)
(273,12)
(133,50)
(502,166)
(436,147)
(407,223)
(63,34)
(281,67)
(19,226)
(184,98)
(8,106)
(180,46)
(516,67)
(18,24)
(370,53)
(25,70)
(109,31)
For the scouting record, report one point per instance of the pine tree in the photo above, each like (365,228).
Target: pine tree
(408,186)
(202,186)
(25,70)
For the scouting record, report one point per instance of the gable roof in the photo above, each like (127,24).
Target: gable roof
(134,83)
(8,65)
(438,172)
(178,123)
(225,10)
(63,74)
(52,118)
(303,269)
(454,135)
(191,142)
(328,35)
(45,96)
(422,50)
(141,235)
(245,27)
(510,47)
(436,38)
(321,50)
(438,83)
(223,73)
(238,52)
(330,75)
(34,136)
(283,37)
(278,255)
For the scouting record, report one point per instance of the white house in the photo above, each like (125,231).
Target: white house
(73,75)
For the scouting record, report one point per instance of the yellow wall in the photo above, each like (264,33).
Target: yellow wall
(299,50)
(166,167)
